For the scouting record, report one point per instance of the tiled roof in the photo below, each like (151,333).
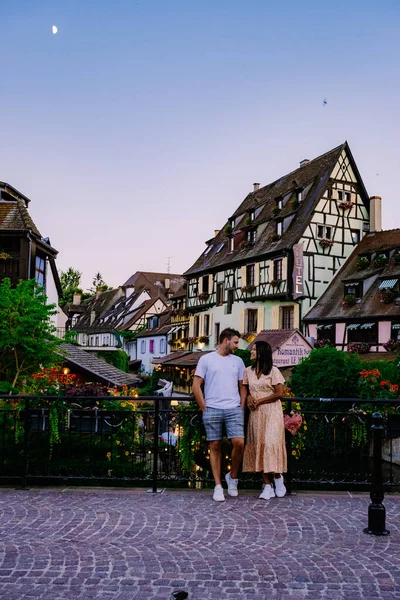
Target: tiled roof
(15,216)
(330,304)
(276,337)
(312,178)
(155,331)
(180,359)
(141,277)
(97,367)
(100,305)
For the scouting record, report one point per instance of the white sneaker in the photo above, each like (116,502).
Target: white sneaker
(267,493)
(232,485)
(280,489)
(218,494)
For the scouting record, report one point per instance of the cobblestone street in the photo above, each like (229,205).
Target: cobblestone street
(126,544)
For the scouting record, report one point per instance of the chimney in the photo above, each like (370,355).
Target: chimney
(375,214)
(216,232)
(304,162)
(167,283)
(99,291)
(256,186)
(76,299)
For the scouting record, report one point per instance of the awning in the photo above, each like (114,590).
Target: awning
(352,283)
(387,284)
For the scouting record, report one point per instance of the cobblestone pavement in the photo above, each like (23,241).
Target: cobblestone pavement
(128,544)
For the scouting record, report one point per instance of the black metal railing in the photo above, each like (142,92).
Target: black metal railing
(151,441)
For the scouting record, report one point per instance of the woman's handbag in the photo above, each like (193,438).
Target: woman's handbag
(292,422)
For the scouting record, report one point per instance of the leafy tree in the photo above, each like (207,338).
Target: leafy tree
(244,355)
(327,373)
(98,282)
(70,284)
(27,342)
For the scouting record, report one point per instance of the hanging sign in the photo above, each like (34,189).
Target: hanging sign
(298,269)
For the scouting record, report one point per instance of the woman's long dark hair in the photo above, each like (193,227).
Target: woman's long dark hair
(263,362)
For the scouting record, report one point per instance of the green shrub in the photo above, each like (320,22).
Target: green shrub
(389,370)
(118,358)
(326,373)
(244,355)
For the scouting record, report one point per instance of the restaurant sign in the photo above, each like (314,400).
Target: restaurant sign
(292,351)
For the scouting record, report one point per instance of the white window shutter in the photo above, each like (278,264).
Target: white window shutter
(275,312)
(241,320)
(260,319)
(243,276)
(201,325)
(191,326)
(200,286)
(296,316)
(284,268)
(257,274)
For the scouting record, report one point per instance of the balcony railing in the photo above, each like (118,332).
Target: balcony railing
(161,442)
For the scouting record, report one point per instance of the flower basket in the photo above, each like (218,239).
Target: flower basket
(325,243)
(345,205)
(4,256)
(380,260)
(349,300)
(358,347)
(388,296)
(276,210)
(248,337)
(392,345)
(204,339)
(276,282)
(248,289)
(362,263)
(322,343)
(204,296)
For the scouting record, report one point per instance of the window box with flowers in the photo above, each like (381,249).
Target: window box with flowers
(392,345)
(4,255)
(358,347)
(249,288)
(248,337)
(349,300)
(380,260)
(345,205)
(276,283)
(325,243)
(204,339)
(192,340)
(362,263)
(323,343)
(184,340)
(204,296)
(388,296)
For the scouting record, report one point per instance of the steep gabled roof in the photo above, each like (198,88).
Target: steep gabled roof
(312,179)
(14,216)
(99,305)
(97,367)
(330,304)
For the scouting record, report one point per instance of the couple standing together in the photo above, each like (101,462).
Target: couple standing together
(228,387)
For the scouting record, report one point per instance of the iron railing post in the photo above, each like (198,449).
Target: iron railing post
(26,445)
(155,445)
(376,510)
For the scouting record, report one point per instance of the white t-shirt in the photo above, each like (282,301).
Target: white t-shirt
(221,375)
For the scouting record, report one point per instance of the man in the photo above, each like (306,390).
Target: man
(223,403)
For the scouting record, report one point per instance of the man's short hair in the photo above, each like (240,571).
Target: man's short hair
(228,333)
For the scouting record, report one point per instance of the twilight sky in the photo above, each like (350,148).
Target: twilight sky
(141,125)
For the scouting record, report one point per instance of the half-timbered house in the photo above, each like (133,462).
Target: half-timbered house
(24,253)
(279,250)
(360,309)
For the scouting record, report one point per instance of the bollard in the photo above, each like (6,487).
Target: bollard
(155,446)
(376,510)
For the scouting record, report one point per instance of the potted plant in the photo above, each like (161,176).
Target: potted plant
(276,282)
(380,260)
(392,345)
(249,288)
(358,347)
(204,296)
(362,263)
(204,339)
(345,205)
(349,300)
(276,210)
(193,340)
(247,220)
(388,296)
(325,243)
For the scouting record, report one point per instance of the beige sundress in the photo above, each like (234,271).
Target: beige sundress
(265,446)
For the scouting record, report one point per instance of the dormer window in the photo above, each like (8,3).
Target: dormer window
(252,215)
(299,195)
(231,244)
(324,231)
(279,227)
(252,236)
(353,288)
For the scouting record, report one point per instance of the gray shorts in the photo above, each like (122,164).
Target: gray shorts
(232,418)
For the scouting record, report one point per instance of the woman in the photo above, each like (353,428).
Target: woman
(265,449)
